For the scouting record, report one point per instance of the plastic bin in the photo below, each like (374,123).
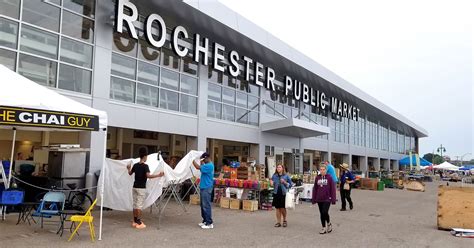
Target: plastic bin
(380,186)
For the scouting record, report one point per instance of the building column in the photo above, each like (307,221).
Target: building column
(326,156)
(364,166)
(377,164)
(394,165)
(261,154)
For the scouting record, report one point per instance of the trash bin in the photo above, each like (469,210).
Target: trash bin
(380,186)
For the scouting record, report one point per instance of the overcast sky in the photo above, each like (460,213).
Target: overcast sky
(415,56)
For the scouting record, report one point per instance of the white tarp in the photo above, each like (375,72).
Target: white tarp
(118,184)
(19,91)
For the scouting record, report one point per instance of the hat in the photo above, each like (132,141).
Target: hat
(344,166)
(205,155)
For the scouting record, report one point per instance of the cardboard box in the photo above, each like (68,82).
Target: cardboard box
(194,199)
(250,205)
(368,183)
(225,202)
(235,204)
(455,207)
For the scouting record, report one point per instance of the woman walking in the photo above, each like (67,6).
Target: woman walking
(281,183)
(324,194)
(345,188)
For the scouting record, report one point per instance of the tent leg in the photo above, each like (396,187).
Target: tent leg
(102,174)
(9,178)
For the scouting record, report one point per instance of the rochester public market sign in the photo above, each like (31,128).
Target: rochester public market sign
(11,116)
(264,75)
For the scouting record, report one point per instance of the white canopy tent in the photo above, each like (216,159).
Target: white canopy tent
(446,166)
(26,105)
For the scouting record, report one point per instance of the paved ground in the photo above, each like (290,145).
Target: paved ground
(392,218)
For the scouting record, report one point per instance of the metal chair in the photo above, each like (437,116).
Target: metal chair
(88,218)
(51,205)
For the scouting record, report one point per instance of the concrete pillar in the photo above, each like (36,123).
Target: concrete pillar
(394,165)
(385,164)
(191,144)
(346,158)
(326,156)
(377,164)
(364,166)
(261,154)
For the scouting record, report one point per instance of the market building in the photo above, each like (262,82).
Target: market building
(215,81)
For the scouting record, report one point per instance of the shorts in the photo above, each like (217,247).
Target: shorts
(138,197)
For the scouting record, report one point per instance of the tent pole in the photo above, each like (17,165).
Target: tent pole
(102,174)
(11,159)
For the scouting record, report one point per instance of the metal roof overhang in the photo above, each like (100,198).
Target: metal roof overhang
(294,127)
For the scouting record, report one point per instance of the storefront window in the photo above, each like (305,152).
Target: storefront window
(76,53)
(148,73)
(39,70)
(147,52)
(170,59)
(169,100)
(228,113)
(83,7)
(189,66)
(214,92)
(253,118)
(8,33)
(77,26)
(7,58)
(169,80)
(253,103)
(228,96)
(241,100)
(147,95)
(41,13)
(241,115)
(189,85)
(214,109)
(74,79)
(188,104)
(121,89)
(39,42)
(123,66)
(10,8)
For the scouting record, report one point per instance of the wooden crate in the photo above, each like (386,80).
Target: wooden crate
(455,207)
(194,199)
(260,171)
(249,205)
(243,173)
(235,204)
(225,202)
(368,183)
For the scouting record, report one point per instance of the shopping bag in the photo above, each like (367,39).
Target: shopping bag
(290,199)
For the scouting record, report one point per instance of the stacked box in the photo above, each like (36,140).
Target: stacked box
(243,173)
(250,205)
(235,204)
(194,199)
(260,172)
(225,202)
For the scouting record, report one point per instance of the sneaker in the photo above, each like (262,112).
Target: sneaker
(323,231)
(140,226)
(208,226)
(134,224)
(342,209)
(202,224)
(351,207)
(329,228)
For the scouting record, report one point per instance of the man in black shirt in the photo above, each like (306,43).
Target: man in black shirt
(142,173)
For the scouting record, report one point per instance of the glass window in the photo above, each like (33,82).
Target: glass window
(214,109)
(121,89)
(287,111)
(148,52)
(7,58)
(74,79)
(39,70)
(189,66)
(147,95)
(76,53)
(123,66)
(229,80)
(241,100)
(39,42)
(10,8)
(169,100)
(170,59)
(148,73)
(253,103)
(78,27)
(214,92)
(228,96)
(169,79)
(254,89)
(241,115)
(228,113)
(40,13)
(189,85)
(214,75)
(268,109)
(243,85)
(8,33)
(83,7)
(125,44)
(188,104)
(253,118)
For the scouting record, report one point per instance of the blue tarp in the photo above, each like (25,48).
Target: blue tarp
(467,167)
(406,161)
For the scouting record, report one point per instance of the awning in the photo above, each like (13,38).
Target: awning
(295,127)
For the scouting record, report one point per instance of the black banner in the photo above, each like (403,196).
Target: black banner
(52,119)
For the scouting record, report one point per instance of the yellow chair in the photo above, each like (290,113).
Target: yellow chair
(84,218)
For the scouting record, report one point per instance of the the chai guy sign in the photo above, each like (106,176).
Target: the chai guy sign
(12,116)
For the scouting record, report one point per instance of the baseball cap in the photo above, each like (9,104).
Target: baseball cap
(205,155)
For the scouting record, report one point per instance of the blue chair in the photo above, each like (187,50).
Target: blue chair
(51,205)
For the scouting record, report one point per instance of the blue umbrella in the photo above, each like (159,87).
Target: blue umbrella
(406,161)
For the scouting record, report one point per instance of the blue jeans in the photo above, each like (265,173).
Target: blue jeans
(206,200)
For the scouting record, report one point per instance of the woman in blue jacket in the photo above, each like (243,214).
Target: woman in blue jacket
(281,183)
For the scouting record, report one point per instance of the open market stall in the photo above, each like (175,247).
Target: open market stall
(26,105)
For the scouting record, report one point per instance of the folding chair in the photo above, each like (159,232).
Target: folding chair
(84,218)
(49,205)
(11,198)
